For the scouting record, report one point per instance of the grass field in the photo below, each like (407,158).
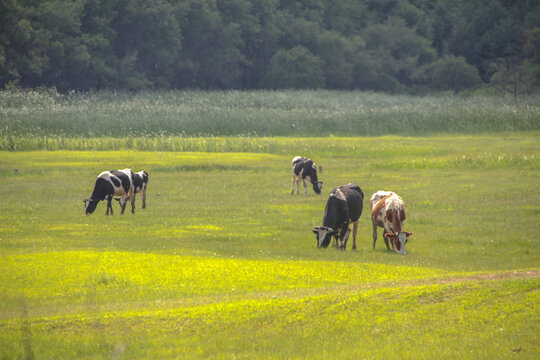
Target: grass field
(223,263)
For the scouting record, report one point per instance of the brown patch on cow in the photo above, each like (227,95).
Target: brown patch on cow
(397,244)
(379,206)
(390,215)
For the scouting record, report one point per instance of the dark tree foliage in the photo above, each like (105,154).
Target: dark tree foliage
(381,45)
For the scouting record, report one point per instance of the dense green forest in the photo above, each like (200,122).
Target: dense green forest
(382,45)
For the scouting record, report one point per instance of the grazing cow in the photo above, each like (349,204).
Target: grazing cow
(344,206)
(109,184)
(388,212)
(304,169)
(140,183)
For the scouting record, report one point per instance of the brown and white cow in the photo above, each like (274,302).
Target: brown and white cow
(388,212)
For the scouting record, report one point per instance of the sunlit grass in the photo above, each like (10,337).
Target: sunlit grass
(89,277)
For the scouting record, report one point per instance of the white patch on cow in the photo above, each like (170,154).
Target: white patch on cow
(118,190)
(378,196)
(339,194)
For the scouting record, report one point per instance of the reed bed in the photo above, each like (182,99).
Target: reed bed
(49,115)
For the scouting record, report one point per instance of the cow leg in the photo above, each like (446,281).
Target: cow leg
(374,235)
(386,242)
(355,229)
(131,195)
(305,186)
(123,204)
(345,238)
(133,204)
(109,199)
(143,197)
(297,181)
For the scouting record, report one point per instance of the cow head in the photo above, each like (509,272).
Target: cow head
(399,239)
(90,205)
(324,235)
(317,187)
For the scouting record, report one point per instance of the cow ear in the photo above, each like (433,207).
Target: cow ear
(390,235)
(315,229)
(408,233)
(333,232)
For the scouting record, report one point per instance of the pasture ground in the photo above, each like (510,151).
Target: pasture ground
(223,263)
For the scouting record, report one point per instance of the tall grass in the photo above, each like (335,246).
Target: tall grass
(256,113)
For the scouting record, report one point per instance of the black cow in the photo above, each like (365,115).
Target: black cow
(140,183)
(302,169)
(109,184)
(344,206)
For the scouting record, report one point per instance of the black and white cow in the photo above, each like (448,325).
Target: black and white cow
(109,184)
(304,169)
(140,183)
(344,206)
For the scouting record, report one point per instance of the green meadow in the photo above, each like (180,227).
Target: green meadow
(223,264)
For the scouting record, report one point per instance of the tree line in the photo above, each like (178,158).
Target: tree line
(379,45)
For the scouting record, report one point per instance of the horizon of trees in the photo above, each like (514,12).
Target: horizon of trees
(380,45)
